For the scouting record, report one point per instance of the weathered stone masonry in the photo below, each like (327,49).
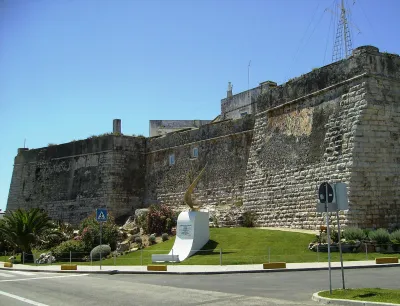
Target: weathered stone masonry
(337,123)
(71,180)
(343,129)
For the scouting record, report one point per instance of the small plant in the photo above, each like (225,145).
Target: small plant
(238,203)
(249,219)
(138,241)
(152,239)
(334,236)
(164,237)
(71,248)
(380,236)
(395,237)
(104,249)
(214,220)
(354,233)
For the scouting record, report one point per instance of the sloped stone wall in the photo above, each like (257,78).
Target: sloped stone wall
(296,148)
(375,175)
(71,180)
(224,147)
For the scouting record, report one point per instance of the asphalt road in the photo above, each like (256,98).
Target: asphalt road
(284,288)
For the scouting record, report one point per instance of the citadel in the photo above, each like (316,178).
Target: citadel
(266,152)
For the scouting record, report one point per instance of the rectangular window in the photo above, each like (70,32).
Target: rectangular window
(195,152)
(172,159)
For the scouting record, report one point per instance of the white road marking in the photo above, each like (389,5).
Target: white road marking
(45,277)
(20,298)
(22,273)
(6,275)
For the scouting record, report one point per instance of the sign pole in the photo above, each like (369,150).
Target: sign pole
(329,237)
(101,227)
(340,248)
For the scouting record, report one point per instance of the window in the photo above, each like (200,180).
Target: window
(172,159)
(195,152)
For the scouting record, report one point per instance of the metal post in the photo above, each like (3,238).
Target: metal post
(101,227)
(366,251)
(172,252)
(318,252)
(141,257)
(269,254)
(340,249)
(220,256)
(23,258)
(115,259)
(50,259)
(70,257)
(329,238)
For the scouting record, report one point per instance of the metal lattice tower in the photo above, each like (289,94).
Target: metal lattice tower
(343,46)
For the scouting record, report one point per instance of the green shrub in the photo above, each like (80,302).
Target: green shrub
(380,236)
(141,221)
(395,237)
(353,233)
(164,237)
(104,249)
(62,251)
(152,239)
(334,235)
(89,231)
(249,219)
(160,218)
(138,240)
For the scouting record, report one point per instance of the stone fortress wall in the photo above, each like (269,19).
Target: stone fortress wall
(337,123)
(71,180)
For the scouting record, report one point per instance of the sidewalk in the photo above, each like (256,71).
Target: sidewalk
(200,269)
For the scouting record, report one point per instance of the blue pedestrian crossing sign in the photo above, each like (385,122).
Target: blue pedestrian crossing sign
(101,214)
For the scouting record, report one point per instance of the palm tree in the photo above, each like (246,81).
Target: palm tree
(23,229)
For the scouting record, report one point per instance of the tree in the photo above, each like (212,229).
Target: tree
(22,229)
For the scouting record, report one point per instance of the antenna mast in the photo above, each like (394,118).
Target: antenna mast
(342,35)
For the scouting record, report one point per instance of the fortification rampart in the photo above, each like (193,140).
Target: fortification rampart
(337,123)
(71,180)
(223,146)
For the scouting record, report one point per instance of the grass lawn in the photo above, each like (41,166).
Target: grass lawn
(366,294)
(240,246)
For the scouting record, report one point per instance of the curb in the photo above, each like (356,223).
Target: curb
(324,300)
(116,271)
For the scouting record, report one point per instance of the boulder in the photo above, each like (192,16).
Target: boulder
(134,230)
(123,246)
(45,258)
(141,211)
(129,223)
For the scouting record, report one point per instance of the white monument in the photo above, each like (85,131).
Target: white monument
(192,230)
(192,233)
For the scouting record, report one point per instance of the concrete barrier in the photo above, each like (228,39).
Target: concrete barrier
(157,268)
(274,265)
(69,267)
(385,260)
(8,265)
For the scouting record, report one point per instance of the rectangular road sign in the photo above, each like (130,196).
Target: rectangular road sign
(101,214)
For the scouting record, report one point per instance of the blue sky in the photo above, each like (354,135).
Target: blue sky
(69,67)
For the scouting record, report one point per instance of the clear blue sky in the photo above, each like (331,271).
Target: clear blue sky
(68,67)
